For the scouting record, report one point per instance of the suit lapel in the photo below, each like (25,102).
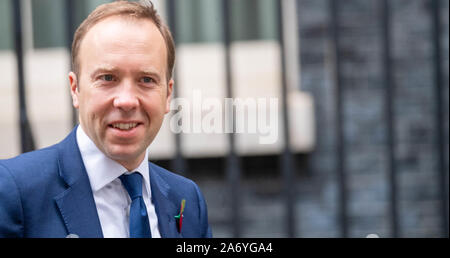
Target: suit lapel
(76,204)
(79,212)
(164,205)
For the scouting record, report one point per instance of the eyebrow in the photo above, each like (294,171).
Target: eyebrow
(112,69)
(152,73)
(103,69)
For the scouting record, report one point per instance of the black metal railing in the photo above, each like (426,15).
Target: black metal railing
(389,98)
(439,113)
(340,119)
(26,136)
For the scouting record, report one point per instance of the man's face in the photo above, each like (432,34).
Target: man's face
(122,91)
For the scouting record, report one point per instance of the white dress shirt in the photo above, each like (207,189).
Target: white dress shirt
(110,196)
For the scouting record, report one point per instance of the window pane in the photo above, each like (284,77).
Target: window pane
(244,19)
(199,21)
(254,19)
(5,25)
(185,21)
(268,19)
(48,23)
(211,21)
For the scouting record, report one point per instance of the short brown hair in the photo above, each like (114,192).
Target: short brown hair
(138,10)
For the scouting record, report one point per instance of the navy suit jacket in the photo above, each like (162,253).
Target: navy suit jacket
(46,193)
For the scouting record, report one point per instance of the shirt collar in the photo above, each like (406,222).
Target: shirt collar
(101,169)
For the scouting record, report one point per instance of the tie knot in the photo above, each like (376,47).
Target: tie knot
(133,184)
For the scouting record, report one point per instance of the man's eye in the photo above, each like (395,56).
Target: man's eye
(147,80)
(108,77)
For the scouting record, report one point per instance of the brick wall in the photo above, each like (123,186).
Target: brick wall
(364,125)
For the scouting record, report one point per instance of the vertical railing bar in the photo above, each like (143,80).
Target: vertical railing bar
(70,30)
(233,163)
(340,137)
(286,161)
(26,137)
(179,163)
(439,114)
(388,70)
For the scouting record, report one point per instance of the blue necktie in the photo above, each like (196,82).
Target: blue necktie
(139,225)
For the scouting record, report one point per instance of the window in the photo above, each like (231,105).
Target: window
(48,23)
(6,25)
(254,19)
(201,20)
(49,20)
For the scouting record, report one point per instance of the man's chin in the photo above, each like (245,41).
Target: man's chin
(127,157)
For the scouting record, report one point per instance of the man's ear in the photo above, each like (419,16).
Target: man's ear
(74,90)
(169,95)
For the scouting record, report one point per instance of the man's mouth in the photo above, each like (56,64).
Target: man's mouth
(124,126)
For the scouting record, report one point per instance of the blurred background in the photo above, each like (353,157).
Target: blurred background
(363,108)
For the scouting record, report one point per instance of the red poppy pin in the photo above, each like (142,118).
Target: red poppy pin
(179,217)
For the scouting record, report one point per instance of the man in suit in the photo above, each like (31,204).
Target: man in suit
(97,182)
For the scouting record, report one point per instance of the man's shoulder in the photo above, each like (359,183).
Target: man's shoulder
(30,162)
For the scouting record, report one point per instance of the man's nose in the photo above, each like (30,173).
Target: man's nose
(126,98)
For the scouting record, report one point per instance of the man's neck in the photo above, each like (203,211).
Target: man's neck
(131,165)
